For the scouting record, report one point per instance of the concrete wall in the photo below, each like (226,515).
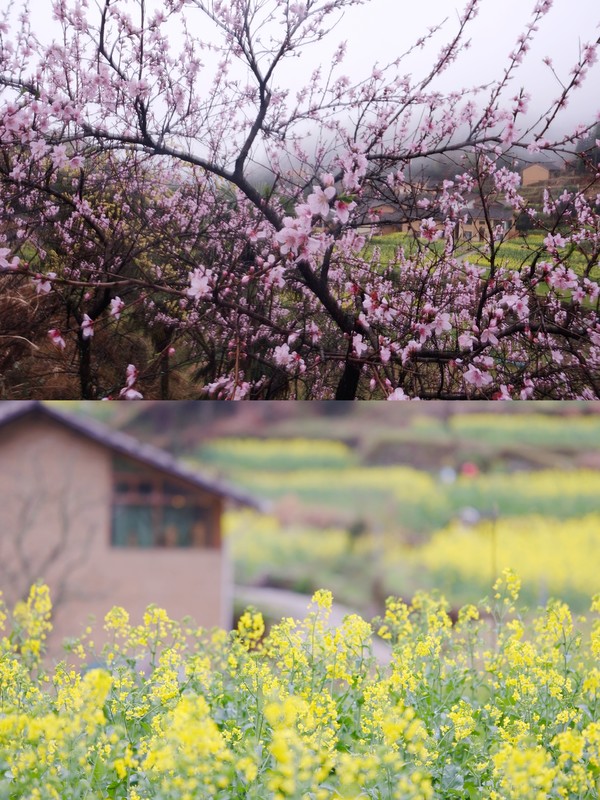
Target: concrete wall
(55,518)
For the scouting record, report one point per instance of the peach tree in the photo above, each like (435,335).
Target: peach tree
(139,251)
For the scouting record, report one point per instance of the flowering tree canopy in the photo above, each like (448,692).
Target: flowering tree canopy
(140,255)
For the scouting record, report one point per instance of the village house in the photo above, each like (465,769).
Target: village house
(107,520)
(535,174)
(474,221)
(471,221)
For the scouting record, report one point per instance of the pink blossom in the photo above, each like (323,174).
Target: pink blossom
(398,394)
(527,390)
(424,331)
(288,237)
(131,374)
(87,327)
(355,166)
(274,277)
(359,345)
(488,336)
(281,355)
(553,241)
(466,340)
(592,289)
(343,209)
(128,392)
(476,377)
(519,305)
(411,348)
(38,148)
(294,236)
(43,283)
(199,283)
(298,363)
(131,394)
(503,393)
(255,234)
(428,229)
(562,278)
(318,201)
(442,323)
(487,362)
(116,306)
(56,338)
(313,330)
(4,262)
(59,156)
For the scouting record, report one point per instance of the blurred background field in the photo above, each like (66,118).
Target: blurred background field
(370,500)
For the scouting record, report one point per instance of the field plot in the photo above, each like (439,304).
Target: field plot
(495,491)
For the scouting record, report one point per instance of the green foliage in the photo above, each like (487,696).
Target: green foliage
(549,492)
(539,430)
(388,244)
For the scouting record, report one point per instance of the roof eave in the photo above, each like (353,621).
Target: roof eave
(129,446)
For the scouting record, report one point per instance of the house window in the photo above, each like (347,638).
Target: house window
(150,510)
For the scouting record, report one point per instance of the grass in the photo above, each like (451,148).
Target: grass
(512,253)
(533,429)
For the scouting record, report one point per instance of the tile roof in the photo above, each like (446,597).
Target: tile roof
(127,445)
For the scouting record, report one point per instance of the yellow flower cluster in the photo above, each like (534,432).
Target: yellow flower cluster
(277,453)
(491,706)
(401,482)
(553,557)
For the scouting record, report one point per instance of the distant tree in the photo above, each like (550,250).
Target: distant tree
(129,207)
(524,222)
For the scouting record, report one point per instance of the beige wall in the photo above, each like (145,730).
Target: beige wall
(472,230)
(55,516)
(534,174)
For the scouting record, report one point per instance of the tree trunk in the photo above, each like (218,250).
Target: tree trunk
(85,370)
(346,388)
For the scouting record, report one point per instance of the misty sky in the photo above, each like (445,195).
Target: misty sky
(381,29)
(388,27)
